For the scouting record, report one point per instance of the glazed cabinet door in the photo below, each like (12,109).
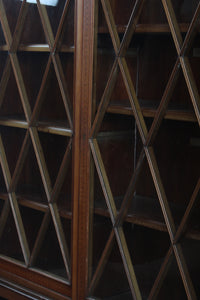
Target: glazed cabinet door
(145,157)
(36,144)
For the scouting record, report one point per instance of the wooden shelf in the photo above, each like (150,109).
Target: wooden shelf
(36,202)
(54,128)
(38,48)
(58,128)
(32,201)
(149,111)
(12,122)
(147,28)
(147,212)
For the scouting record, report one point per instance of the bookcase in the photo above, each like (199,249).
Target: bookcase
(99,149)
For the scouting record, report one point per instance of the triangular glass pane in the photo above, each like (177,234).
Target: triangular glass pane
(148,249)
(191,248)
(172,287)
(2,38)
(119,99)
(121,14)
(101,228)
(157,56)
(145,207)
(193,225)
(67,62)
(30,186)
(54,13)
(67,227)
(12,136)
(152,14)
(12,12)
(32,220)
(178,161)
(116,144)
(50,144)
(12,106)
(180,104)
(145,186)
(105,61)
(32,66)
(113,283)
(185,11)
(67,36)
(3,57)
(9,241)
(49,258)
(64,200)
(3,189)
(194,61)
(32,35)
(53,109)
(98,200)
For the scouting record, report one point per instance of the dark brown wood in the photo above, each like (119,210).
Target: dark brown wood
(33,280)
(82,115)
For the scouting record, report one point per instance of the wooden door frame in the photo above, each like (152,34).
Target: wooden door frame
(84,42)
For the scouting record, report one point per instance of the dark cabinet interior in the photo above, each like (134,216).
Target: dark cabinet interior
(100,149)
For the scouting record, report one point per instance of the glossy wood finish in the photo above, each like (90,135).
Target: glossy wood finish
(83,115)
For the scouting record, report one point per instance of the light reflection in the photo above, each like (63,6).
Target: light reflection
(44,2)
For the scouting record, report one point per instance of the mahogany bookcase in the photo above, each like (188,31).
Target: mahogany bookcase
(99,149)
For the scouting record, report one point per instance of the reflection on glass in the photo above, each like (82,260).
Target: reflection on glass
(45,2)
